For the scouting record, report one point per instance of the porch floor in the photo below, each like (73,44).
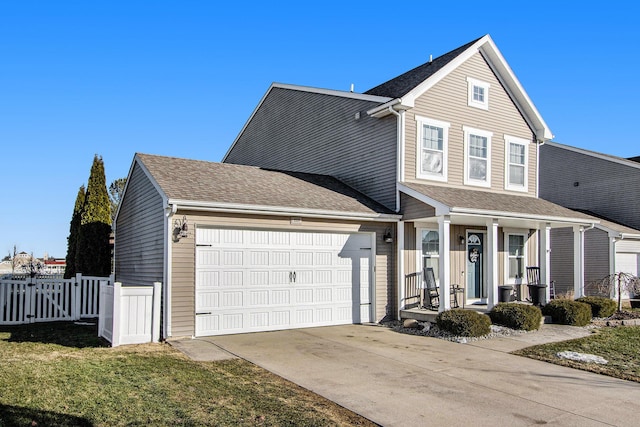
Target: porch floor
(426,315)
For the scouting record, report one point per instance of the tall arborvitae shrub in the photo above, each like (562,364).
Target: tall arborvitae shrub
(74,228)
(93,256)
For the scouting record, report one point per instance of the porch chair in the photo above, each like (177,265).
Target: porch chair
(430,297)
(431,291)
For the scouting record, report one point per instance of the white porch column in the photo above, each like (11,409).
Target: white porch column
(492,263)
(444,263)
(400,244)
(578,261)
(545,258)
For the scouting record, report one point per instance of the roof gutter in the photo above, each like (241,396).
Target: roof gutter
(384,109)
(502,214)
(281,211)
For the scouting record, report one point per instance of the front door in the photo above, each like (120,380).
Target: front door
(475,267)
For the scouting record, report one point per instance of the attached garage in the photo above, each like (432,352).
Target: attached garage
(242,249)
(251,280)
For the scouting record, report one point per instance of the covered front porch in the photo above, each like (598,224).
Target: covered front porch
(478,249)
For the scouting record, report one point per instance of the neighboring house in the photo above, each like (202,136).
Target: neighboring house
(435,168)
(606,187)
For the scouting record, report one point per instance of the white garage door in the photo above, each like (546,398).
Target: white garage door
(627,263)
(258,280)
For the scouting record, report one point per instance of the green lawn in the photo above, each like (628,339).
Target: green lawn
(59,374)
(620,346)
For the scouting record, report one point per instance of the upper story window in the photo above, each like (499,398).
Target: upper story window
(433,141)
(478,93)
(516,163)
(477,157)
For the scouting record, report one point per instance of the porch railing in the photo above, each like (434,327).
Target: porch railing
(412,286)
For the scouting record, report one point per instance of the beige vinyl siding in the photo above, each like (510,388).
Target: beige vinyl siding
(596,256)
(580,181)
(317,133)
(458,252)
(139,235)
(562,259)
(183,259)
(447,101)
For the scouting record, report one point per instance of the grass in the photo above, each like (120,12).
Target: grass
(620,346)
(60,374)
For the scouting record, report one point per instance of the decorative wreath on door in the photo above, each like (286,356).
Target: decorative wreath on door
(474,255)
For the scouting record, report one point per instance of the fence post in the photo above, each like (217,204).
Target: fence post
(117,292)
(30,301)
(101,298)
(155,322)
(77,295)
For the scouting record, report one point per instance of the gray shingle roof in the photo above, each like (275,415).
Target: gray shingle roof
(496,202)
(209,182)
(405,83)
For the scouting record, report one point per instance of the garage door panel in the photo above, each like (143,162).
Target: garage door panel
(252,280)
(208,279)
(281,297)
(207,300)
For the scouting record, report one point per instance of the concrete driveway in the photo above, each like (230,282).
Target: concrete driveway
(402,380)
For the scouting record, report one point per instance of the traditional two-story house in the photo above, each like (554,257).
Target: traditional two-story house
(329,203)
(451,145)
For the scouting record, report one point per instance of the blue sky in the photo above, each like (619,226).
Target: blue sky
(79,78)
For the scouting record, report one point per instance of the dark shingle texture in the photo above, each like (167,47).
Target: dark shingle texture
(496,202)
(208,182)
(405,83)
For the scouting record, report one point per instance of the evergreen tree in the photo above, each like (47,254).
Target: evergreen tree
(93,256)
(72,240)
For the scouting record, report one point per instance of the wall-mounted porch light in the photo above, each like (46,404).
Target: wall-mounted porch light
(388,238)
(461,239)
(180,227)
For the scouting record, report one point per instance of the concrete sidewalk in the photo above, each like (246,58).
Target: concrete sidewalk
(397,379)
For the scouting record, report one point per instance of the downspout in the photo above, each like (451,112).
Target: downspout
(170,210)
(400,225)
(399,151)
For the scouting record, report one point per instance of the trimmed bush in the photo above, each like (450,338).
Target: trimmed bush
(516,316)
(600,306)
(567,312)
(464,323)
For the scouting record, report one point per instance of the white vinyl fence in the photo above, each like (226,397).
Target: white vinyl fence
(129,314)
(49,299)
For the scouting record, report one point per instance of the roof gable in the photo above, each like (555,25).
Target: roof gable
(406,88)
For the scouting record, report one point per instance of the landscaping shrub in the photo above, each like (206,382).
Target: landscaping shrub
(568,312)
(600,306)
(516,316)
(464,323)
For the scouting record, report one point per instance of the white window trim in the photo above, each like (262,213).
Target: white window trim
(473,131)
(471,82)
(525,235)
(521,141)
(419,232)
(420,121)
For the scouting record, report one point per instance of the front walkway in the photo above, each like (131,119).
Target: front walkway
(396,379)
